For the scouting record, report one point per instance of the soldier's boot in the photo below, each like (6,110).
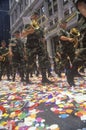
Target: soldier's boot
(49,73)
(31,75)
(27,79)
(37,74)
(70,78)
(44,77)
(8,78)
(13,79)
(0,77)
(22,78)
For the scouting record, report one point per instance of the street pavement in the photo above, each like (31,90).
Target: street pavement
(38,106)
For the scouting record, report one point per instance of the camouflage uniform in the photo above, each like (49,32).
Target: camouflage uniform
(67,50)
(82,21)
(35,46)
(58,66)
(80,59)
(4,63)
(17,48)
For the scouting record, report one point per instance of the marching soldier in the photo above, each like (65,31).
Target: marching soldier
(35,46)
(80,59)
(67,52)
(4,60)
(16,48)
(81,7)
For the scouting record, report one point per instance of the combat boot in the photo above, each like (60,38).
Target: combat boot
(44,77)
(45,80)
(28,82)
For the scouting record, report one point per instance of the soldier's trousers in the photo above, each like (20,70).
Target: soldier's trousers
(4,69)
(42,60)
(78,61)
(17,67)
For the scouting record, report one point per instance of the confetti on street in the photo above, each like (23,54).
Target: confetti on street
(42,106)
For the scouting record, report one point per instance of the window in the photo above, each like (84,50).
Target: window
(49,2)
(51,23)
(26,2)
(55,8)
(73,9)
(43,19)
(21,7)
(66,13)
(39,21)
(11,1)
(65,1)
(13,18)
(54,0)
(50,12)
(42,9)
(56,19)
(15,14)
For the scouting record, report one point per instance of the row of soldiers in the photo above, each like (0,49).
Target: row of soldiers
(22,57)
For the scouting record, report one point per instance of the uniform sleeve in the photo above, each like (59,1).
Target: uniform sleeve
(60,34)
(63,33)
(40,33)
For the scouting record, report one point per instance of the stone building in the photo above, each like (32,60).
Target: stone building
(51,13)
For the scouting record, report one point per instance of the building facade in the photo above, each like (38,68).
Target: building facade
(51,13)
(4,20)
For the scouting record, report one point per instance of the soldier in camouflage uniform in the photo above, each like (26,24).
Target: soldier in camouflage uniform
(80,59)
(58,66)
(4,61)
(35,46)
(16,48)
(67,52)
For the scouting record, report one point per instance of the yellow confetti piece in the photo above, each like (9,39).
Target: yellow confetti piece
(12,115)
(69,111)
(17,128)
(41,101)
(19,114)
(61,105)
(3,123)
(5,115)
(62,112)
(33,115)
